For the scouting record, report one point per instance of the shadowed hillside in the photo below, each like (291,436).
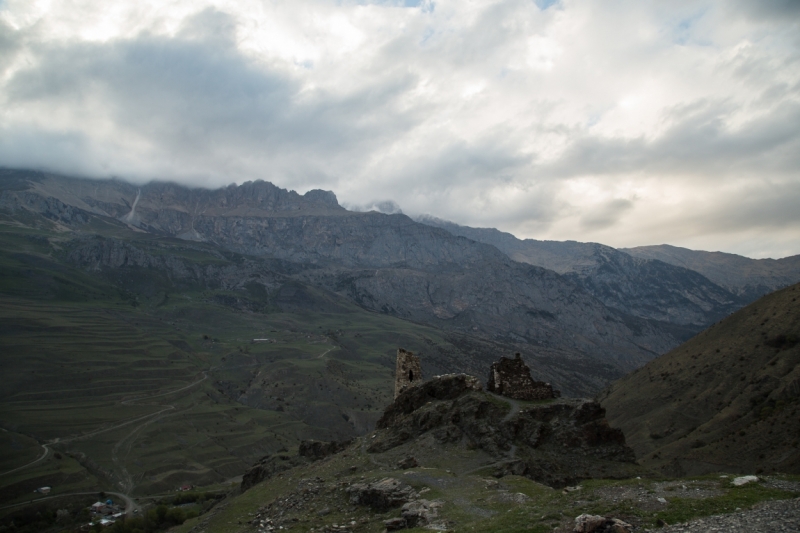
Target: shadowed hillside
(729,399)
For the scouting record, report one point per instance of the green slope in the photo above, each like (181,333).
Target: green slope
(728,399)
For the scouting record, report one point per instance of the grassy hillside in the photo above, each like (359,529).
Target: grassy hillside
(186,366)
(314,497)
(728,399)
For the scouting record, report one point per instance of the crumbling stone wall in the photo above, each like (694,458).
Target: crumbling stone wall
(408,372)
(512,378)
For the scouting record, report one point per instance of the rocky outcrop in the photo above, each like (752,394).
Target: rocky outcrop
(418,513)
(316,450)
(587,523)
(382,495)
(309,451)
(557,443)
(448,387)
(268,467)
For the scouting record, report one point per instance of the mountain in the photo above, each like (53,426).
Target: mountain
(748,278)
(676,298)
(727,400)
(385,263)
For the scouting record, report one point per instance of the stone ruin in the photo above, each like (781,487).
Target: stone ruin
(512,378)
(408,373)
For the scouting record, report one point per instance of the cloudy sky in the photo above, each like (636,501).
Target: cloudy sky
(623,122)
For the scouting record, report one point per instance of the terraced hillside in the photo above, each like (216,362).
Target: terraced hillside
(147,362)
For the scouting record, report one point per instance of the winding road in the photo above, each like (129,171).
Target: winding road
(124,443)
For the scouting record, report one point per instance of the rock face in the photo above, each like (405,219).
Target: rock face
(447,387)
(645,286)
(385,263)
(512,378)
(556,443)
(748,278)
(408,372)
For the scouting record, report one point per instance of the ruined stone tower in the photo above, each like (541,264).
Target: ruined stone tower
(408,373)
(512,378)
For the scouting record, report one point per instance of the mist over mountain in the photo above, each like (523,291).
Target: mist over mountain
(385,263)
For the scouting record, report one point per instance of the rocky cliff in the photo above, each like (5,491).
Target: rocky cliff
(556,442)
(682,300)
(386,263)
(747,278)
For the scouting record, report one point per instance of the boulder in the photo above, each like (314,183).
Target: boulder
(381,495)
(395,524)
(408,462)
(420,512)
(587,523)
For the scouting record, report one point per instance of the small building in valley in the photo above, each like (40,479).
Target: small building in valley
(408,372)
(512,378)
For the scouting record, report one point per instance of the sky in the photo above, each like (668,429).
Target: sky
(625,122)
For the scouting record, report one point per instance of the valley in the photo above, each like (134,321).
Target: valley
(160,337)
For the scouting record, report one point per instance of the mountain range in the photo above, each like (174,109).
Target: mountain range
(158,335)
(580,300)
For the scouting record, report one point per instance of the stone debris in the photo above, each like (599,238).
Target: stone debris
(744,480)
(303,501)
(781,516)
(417,513)
(381,495)
(420,512)
(509,497)
(587,523)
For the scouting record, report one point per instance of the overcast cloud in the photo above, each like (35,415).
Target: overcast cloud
(621,122)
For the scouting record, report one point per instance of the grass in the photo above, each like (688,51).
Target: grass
(89,358)
(472,502)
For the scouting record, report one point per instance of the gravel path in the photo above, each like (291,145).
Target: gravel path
(768,517)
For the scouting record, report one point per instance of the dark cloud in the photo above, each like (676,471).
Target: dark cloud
(606,215)
(699,141)
(773,10)
(538,117)
(196,97)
